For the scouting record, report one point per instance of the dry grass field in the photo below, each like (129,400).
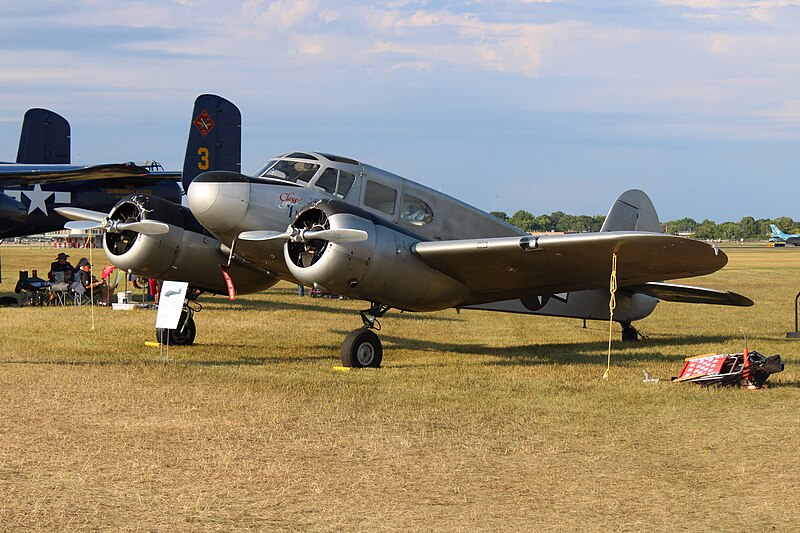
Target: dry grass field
(477,421)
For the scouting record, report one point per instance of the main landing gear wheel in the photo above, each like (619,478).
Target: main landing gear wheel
(182,336)
(629,333)
(362,348)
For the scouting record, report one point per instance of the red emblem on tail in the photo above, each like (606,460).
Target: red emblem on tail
(203,123)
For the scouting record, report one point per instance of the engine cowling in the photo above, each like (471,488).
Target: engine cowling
(185,253)
(381,269)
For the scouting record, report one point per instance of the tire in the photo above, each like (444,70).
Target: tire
(9,301)
(362,348)
(629,333)
(178,337)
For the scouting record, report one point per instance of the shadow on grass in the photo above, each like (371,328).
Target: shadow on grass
(561,353)
(244,305)
(174,359)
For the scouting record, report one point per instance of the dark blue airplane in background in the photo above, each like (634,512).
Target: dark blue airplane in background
(43,178)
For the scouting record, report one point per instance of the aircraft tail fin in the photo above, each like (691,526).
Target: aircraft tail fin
(45,138)
(776,231)
(215,138)
(633,211)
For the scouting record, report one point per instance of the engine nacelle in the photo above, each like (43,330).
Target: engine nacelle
(185,253)
(380,269)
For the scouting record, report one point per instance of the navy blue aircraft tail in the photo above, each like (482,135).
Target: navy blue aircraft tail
(215,138)
(42,179)
(45,138)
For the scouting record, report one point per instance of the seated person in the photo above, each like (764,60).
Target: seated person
(61,272)
(85,282)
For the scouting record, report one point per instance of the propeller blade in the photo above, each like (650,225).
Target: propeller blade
(331,235)
(76,213)
(262,235)
(336,235)
(146,227)
(82,225)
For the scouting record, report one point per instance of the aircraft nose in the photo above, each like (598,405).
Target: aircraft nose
(219,200)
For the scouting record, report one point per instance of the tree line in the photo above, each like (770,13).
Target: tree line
(748,228)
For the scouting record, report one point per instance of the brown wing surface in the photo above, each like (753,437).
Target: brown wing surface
(20,175)
(507,267)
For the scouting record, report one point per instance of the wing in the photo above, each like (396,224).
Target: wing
(30,174)
(508,267)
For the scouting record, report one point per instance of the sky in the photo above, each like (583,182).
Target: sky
(542,105)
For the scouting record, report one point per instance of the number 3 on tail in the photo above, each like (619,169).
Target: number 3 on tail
(203,163)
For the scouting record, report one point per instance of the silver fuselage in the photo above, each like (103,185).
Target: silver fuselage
(272,199)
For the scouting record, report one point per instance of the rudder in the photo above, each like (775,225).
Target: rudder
(215,138)
(632,211)
(45,138)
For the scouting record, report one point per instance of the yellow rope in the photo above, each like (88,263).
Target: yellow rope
(612,303)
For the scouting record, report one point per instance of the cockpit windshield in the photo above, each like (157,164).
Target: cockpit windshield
(289,170)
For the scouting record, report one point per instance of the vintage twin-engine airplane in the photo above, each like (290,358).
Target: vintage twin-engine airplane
(367,234)
(42,178)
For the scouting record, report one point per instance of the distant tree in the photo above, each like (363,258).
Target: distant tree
(763,227)
(544,223)
(682,225)
(707,229)
(523,220)
(748,228)
(728,231)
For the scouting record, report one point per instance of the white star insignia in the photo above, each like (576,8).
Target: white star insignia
(37,197)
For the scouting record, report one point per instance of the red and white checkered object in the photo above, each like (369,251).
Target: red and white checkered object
(702,365)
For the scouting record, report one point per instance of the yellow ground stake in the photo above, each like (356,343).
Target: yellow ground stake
(342,368)
(151,343)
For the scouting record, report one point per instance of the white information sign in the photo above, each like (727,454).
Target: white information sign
(170,304)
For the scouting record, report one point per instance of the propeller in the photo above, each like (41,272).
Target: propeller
(85,219)
(76,213)
(304,235)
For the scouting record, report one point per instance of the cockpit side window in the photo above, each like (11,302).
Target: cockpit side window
(336,182)
(415,211)
(294,171)
(380,197)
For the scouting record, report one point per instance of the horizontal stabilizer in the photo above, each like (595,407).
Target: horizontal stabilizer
(693,295)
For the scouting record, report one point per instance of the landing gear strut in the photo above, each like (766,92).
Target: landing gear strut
(629,333)
(362,347)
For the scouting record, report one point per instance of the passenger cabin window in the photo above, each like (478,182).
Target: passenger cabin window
(380,197)
(336,182)
(415,211)
(294,171)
